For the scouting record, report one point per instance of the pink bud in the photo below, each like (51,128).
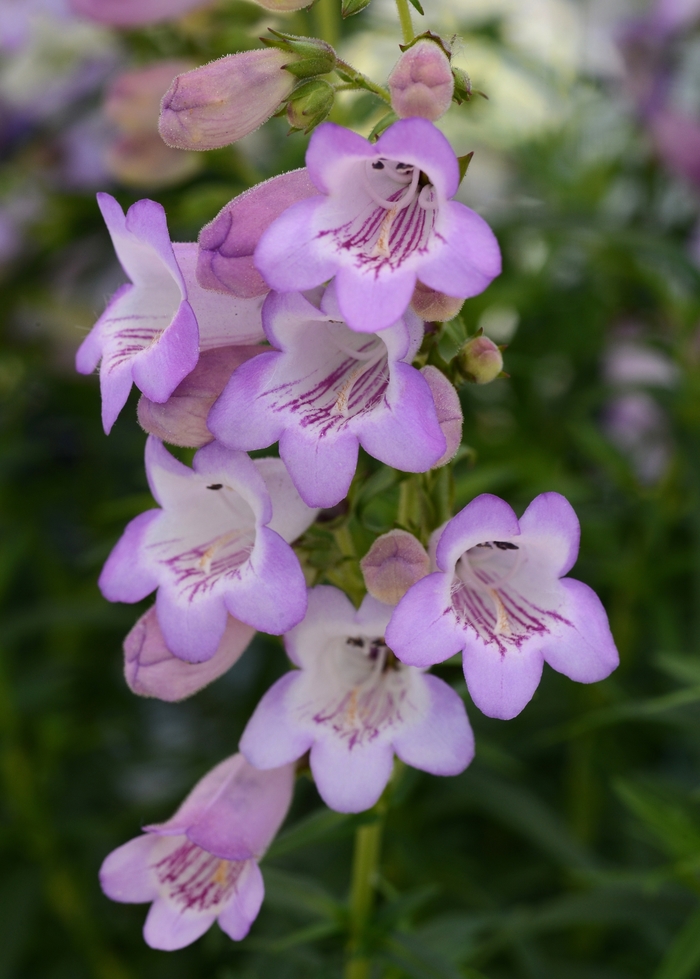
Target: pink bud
(227,243)
(434,306)
(421,82)
(182,419)
(393,563)
(128,13)
(481,360)
(449,411)
(151,670)
(225,100)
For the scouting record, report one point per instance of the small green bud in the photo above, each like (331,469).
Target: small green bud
(480,360)
(309,105)
(311,55)
(351,7)
(463,86)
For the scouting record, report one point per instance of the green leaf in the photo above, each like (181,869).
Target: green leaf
(676,828)
(302,936)
(324,824)
(682,960)
(464,162)
(416,4)
(298,893)
(349,8)
(417,961)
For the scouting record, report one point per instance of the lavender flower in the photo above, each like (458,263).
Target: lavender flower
(354,706)
(201,865)
(326,391)
(499,596)
(217,546)
(383,219)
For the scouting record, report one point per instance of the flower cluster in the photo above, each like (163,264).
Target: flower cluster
(297,320)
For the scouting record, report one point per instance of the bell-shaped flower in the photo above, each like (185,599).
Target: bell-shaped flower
(325,391)
(182,419)
(500,596)
(153,327)
(217,546)
(227,244)
(382,220)
(201,866)
(354,706)
(152,670)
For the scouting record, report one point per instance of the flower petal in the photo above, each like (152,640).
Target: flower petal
(239,914)
(322,468)
(501,684)
(125,576)
(423,630)
(584,651)
(550,523)
(168,928)
(288,255)
(373,302)
(441,742)
(419,142)
(350,779)
(125,874)
(290,515)
(270,738)
(192,629)
(469,259)
(486,518)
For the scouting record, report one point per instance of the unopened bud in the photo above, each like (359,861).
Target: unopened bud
(434,306)
(225,100)
(480,360)
(182,419)
(393,563)
(462,85)
(421,83)
(349,8)
(227,244)
(448,409)
(151,670)
(310,55)
(309,105)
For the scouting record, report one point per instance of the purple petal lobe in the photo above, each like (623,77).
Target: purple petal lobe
(470,257)
(441,742)
(486,518)
(586,651)
(167,928)
(126,577)
(350,780)
(125,874)
(236,918)
(501,684)
(423,630)
(550,523)
(271,738)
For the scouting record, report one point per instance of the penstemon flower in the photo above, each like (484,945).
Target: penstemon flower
(217,546)
(354,705)
(326,391)
(153,328)
(383,220)
(500,596)
(201,865)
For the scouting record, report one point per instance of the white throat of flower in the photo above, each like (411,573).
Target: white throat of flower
(488,567)
(367,358)
(407,176)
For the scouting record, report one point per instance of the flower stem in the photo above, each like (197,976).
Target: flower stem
(405,20)
(364,872)
(326,15)
(360,81)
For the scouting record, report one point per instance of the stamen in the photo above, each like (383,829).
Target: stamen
(407,198)
(341,404)
(502,627)
(222,541)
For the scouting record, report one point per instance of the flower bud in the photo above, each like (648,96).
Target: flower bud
(421,82)
(311,55)
(309,105)
(480,360)
(394,563)
(151,670)
(462,86)
(226,244)
(449,411)
(434,306)
(182,419)
(349,8)
(225,100)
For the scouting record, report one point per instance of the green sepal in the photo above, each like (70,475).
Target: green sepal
(309,104)
(416,4)
(351,7)
(464,162)
(312,55)
(383,124)
(429,36)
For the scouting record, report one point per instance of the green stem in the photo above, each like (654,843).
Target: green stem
(363,82)
(327,17)
(405,21)
(364,873)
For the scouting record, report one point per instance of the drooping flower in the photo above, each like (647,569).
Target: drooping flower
(327,390)
(421,82)
(394,562)
(151,332)
(354,705)
(201,865)
(152,670)
(500,596)
(383,219)
(227,243)
(217,546)
(449,411)
(223,101)
(182,419)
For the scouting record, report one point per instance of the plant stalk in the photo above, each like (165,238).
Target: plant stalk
(405,21)
(327,17)
(364,873)
(360,81)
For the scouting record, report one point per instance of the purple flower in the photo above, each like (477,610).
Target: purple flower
(201,865)
(326,391)
(227,243)
(152,670)
(217,546)
(151,332)
(354,705)
(382,221)
(499,596)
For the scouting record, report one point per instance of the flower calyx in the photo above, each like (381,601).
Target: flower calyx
(349,8)
(311,55)
(309,105)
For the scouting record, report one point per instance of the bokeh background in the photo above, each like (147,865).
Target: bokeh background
(570,849)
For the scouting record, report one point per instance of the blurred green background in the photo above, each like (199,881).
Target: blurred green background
(570,849)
